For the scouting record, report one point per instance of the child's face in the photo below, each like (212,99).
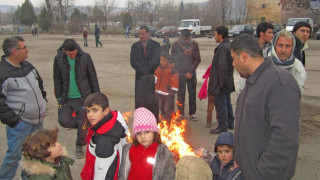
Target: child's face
(55,151)
(145,138)
(163,61)
(225,153)
(95,113)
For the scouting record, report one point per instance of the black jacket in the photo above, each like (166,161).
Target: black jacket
(221,74)
(145,66)
(298,53)
(85,72)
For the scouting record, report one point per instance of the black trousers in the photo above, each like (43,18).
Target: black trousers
(78,122)
(191,84)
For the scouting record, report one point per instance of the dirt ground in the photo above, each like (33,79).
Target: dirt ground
(116,78)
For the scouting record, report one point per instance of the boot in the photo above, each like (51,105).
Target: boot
(79,152)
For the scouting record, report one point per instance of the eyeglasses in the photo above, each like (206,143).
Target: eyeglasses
(22,48)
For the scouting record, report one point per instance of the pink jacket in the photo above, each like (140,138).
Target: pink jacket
(204,88)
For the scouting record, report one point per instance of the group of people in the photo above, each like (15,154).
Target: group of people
(265,144)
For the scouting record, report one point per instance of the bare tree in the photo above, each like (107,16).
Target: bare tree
(107,7)
(240,9)
(48,5)
(157,8)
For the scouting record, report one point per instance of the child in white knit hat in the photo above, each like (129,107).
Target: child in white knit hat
(147,157)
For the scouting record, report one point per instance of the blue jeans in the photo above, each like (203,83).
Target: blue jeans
(223,106)
(15,139)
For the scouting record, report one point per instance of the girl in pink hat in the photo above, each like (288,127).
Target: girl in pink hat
(147,158)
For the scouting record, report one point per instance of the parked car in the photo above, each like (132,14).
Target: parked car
(172,31)
(318,35)
(241,29)
(152,31)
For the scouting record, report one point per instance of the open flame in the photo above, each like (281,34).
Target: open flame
(171,132)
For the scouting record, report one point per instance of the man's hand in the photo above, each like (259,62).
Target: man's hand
(187,52)
(188,75)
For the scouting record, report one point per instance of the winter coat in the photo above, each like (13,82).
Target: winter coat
(22,96)
(104,148)
(85,74)
(186,63)
(227,172)
(267,124)
(221,74)
(164,168)
(167,80)
(193,168)
(299,52)
(43,170)
(145,65)
(96,31)
(85,33)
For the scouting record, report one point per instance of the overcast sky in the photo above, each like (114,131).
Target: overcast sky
(121,3)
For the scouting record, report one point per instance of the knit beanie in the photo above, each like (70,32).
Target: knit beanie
(299,25)
(225,138)
(144,120)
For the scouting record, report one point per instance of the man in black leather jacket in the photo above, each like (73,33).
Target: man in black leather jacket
(75,78)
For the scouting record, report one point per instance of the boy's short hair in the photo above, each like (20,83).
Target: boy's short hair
(263,27)
(166,55)
(36,144)
(97,98)
(223,30)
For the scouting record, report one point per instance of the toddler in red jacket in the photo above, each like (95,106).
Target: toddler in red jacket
(167,84)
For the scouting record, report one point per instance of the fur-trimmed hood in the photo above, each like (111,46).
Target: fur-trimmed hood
(36,167)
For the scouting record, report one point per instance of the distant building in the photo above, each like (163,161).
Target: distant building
(264,10)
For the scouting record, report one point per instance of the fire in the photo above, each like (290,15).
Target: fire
(126,116)
(171,132)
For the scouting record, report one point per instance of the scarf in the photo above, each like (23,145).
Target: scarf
(185,45)
(288,63)
(142,161)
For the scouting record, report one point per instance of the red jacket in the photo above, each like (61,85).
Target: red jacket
(167,79)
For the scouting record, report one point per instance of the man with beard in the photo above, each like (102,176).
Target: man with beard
(186,56)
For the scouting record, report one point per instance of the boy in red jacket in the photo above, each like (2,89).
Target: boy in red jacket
(105,139)
(167,84)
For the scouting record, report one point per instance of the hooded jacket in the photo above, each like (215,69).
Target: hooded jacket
(43,170)
(164,168)
(22,96)
(85,74)
(291,64)
(221,74)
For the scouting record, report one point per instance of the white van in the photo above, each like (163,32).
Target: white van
(292,21)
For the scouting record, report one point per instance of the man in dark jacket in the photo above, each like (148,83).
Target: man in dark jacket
(144,58)
(267,115)
(186,56)
(301,30)
(22,101)
(75,78)
(221,81)
(97,35)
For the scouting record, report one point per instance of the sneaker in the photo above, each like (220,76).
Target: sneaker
(79,152)
(193,117)
(217,131)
